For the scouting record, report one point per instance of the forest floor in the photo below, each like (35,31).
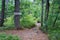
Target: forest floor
(29,34)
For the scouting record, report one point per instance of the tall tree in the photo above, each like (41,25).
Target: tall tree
(46,14)
(47,10)
(2,13)
(17,14)
(42,13)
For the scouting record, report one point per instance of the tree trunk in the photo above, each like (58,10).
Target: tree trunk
(17,14)
(46,14)
(42,14)
(47,10)
(2,13)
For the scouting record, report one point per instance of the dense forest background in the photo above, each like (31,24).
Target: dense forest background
(26,13)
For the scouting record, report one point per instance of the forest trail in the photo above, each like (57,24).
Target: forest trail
(29,34)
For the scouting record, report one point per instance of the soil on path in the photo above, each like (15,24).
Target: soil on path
(29,34)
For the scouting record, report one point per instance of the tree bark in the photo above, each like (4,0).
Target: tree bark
(46,14)
(42,13)
(47,10)
(2,13)
(17,15)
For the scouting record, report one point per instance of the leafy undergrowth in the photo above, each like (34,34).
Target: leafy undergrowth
(27,21)
(4,36)
(53,30)
(53,34)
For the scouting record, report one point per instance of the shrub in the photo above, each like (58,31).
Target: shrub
(28,21)
(9,23)
(54,35)
(53,31)
(4,36)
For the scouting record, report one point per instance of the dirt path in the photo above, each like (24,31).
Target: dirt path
(29,34)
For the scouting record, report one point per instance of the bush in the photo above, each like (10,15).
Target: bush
(9,23)
(54,35)
(53,31)
(4,36)
(28,21)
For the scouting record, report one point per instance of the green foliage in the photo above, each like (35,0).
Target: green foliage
(53,31)
(9,23)
(28,21)
(4,36)
(26,7)
(53,28)
(30,8)
(54,35)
